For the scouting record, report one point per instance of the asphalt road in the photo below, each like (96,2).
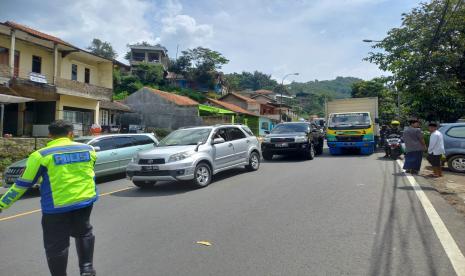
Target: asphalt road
(348,215)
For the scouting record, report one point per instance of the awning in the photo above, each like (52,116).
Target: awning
(214,110)
(8,99)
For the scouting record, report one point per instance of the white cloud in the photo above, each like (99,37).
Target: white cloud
(181,29)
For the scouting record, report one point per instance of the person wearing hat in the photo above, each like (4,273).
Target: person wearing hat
(414,147)
(435,149)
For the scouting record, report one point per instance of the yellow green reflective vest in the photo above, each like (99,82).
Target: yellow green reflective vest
(66,169)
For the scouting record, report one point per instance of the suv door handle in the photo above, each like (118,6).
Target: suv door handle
(230,145)
(248,141)
(114,153)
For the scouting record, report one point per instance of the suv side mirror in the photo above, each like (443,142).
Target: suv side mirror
(97,149)
(267,132)
(218,141)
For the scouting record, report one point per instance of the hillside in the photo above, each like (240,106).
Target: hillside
(311,95)
(336,89)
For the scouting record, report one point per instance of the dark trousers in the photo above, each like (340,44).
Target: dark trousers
(58,228)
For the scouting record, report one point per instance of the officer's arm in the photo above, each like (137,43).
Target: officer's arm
(27,180)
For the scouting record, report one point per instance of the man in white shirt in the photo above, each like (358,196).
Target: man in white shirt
(435,149)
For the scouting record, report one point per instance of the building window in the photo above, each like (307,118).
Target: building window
(36,64)
(74,72)
(87,75)
(154,57)
(138,56)
(104,117)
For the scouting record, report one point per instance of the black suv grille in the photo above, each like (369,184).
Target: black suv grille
(280,140)
(15,171)
(350,138)
(151,161)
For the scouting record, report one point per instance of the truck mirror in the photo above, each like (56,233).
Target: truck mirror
(376,120)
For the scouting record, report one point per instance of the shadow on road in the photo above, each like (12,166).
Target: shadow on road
(170,188)
(395,227)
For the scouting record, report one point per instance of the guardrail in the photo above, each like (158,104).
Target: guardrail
(80,89)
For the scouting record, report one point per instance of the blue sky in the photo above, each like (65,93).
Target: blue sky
(320,39)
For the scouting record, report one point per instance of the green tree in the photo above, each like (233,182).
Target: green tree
(248,80)
(102,48)
(386,97)
(426,56)
(149,74)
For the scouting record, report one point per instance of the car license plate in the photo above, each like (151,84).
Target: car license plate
(150,168)
(282,145)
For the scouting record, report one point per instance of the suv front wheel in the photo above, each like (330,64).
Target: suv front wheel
(310,153)
(202,175)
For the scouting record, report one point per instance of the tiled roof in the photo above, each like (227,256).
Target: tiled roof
(263,92)
(176,99)
(231,107)
(114,105)
(35,32)
(239,96)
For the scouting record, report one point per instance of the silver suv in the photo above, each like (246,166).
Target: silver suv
(196,154)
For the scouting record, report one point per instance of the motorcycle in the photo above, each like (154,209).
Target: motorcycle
(394,144)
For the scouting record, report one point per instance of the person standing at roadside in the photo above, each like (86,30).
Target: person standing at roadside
(435,149)
(414,147)
(67,192)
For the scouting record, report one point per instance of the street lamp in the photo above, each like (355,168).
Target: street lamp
(371,41)
(281,101)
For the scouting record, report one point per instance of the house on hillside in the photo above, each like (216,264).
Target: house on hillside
(244,102)
(59,80)
(152,54)
(159,109)
(241,116)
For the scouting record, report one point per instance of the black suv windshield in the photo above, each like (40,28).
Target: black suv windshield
(290,128)
(184,137)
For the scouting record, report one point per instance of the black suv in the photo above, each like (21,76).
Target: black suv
(302,138)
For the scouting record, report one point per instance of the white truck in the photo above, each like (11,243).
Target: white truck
(352,123)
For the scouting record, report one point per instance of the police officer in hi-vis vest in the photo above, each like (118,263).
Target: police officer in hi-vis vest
(67,191)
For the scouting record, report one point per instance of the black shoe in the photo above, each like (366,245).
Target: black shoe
(57,264)
(85,252)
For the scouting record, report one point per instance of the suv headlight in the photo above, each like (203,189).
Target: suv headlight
(180,156)
(300,139)
(266,139)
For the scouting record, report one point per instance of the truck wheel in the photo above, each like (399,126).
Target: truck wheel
(457,163)
(267,156)
(144,184)
(202,175)
(254,162)
(319,148)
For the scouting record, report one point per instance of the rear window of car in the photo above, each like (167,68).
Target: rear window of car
(142,140)
(457,132)
(235,133)
(105,144)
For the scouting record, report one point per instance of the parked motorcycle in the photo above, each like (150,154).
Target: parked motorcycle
(394,144)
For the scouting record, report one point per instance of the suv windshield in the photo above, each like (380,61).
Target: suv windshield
(184,137)
(290,128)
(349,120)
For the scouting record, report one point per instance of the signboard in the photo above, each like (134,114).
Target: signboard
(36,77)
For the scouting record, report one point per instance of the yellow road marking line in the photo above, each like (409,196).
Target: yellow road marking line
(38,210)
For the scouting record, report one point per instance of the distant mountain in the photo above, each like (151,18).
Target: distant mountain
(312,95)
(337,89)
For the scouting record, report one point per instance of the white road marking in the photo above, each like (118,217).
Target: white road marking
(447,241)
